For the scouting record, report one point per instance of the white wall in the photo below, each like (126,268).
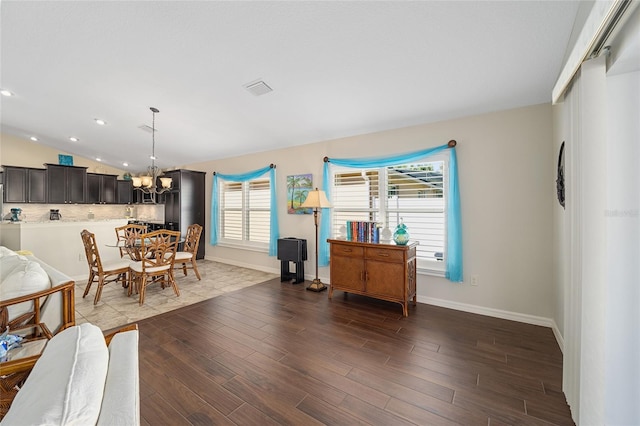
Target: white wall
(15,151)
(507,192)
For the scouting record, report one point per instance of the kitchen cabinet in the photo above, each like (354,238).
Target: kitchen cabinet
(24,185)
(382,271)
(184,204)
(125,192)
(66,184)
(101,189)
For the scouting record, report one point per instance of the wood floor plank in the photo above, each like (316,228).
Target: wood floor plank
(371,414)
(275,353)
(327,414)
(270,403)
(395,384)
(294,378)
(417,415)
(155,410)
(178,396)
(247,414)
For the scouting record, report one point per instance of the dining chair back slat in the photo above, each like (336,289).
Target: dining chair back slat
(190,249)
(128,240)
(157,251)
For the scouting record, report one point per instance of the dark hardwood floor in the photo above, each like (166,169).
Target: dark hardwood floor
(277,354)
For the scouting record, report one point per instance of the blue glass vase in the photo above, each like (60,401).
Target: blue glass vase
(401,234)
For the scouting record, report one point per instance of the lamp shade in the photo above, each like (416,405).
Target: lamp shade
(166,182)
(137,182)
(316,199)
(147,181)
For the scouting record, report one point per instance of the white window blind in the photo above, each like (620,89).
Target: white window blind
(413,193)
(245,211)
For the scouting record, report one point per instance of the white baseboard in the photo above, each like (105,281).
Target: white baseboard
(497,313)
(307,276)
(243,264)
(80,278)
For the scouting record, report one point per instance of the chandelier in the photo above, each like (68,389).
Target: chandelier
(147,183)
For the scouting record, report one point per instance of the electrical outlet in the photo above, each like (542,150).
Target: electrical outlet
(80,257)
(474,280)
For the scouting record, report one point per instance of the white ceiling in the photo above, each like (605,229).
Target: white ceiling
(336,68)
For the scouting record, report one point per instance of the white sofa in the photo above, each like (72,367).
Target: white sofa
(82,378)
(32,291)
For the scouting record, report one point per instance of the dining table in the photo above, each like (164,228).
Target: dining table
(133,247)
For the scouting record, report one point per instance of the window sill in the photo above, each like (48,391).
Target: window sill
(431,267)
(431,272)
(257,247)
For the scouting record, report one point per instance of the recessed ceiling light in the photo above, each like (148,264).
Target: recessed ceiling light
(33,138)
(98,159)
(125,164)
(5,92)
(74,139)
(100,122)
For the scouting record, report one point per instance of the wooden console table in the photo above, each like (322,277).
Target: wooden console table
(383,271)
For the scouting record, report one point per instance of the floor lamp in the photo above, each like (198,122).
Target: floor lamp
(316,200)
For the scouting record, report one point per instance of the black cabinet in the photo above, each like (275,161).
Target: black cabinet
(184,204)
(66,184)
(36,186)
(101,188)
(24,185)
(15,184)
(125,192)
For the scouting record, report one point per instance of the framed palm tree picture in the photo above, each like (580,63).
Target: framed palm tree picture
(298,186)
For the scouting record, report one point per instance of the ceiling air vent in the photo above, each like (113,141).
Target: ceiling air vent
(258,88)
(146,128)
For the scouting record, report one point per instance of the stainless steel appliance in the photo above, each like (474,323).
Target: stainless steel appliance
(54,214)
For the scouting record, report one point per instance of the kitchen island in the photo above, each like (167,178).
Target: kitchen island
(58,242)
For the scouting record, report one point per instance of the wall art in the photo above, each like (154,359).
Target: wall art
(298,186)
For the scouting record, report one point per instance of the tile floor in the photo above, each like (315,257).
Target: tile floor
(116,309)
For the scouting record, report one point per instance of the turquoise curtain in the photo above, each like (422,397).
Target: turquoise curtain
(243,177)
(454,222)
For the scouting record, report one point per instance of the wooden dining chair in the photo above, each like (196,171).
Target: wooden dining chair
(190,249)
(102,273)
(128,237)
(158,254)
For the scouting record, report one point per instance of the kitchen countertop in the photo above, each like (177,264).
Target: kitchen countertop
(67,221)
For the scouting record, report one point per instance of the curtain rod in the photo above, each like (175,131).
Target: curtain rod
(271,166)
(451,144)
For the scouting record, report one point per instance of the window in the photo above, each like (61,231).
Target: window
(245,212)
(414,193)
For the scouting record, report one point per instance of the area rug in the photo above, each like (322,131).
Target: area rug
(116,309)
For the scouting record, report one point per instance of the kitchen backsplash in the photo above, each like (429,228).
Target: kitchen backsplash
(75,212)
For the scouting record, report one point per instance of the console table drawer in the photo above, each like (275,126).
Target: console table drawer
(346,250)
(384,254)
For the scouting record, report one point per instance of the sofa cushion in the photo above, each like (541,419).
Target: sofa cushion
(66,384)
(21,277)
(6,252)
(120,404)
(8,265)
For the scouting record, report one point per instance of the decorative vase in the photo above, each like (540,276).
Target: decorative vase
(385,235)
(401,234)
